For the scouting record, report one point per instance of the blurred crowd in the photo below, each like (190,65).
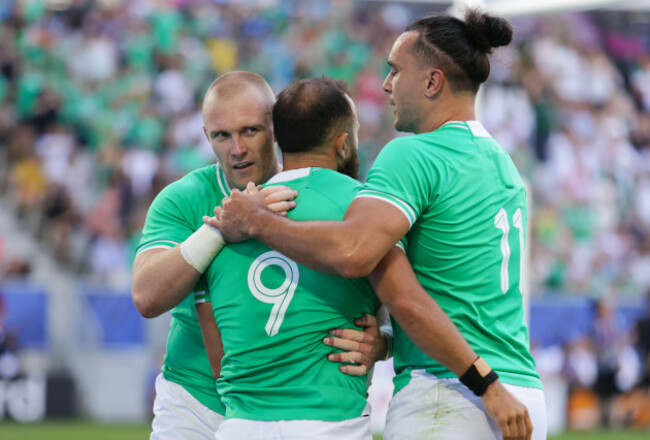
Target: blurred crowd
(587,154)
(100,109)
(606,370)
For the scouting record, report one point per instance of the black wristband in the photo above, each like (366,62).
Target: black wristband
(474,380)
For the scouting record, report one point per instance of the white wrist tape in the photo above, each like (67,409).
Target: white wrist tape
(201,247)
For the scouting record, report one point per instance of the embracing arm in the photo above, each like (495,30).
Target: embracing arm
(351,248)
(419,315)
(161,279)
(433,332)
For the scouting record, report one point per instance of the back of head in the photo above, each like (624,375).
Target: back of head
(308,112)
(460,48)
(232,84)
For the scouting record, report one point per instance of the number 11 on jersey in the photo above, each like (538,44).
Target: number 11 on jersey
(501,222)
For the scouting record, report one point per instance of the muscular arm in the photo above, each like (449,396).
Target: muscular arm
(161,279)
(429,327)
(419,315)
(351,248)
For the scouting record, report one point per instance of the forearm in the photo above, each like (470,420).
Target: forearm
(326,246)
(431,330)
(426,324)
(161,280)
(350,248)
(435,334)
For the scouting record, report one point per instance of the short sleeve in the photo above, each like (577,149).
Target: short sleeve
(165,225)
(403,244)
(402,175)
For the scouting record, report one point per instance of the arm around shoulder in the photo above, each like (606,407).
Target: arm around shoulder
(374,228)
(164,274)
(350,248)
(161,280)
(418,314)
(433,332)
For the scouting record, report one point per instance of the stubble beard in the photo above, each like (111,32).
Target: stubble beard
(350,167)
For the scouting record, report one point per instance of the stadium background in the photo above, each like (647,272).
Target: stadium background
(99,109)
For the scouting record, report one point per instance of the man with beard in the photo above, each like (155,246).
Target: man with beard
(276,381)
(457,196)
(176,248)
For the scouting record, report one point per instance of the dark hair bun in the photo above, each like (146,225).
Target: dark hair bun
(487,32)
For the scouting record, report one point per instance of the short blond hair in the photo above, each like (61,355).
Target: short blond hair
(233,83)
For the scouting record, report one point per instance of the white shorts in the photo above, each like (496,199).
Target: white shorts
(178,415)
(447,408)
(238,429)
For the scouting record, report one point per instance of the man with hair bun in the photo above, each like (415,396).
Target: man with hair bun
(458,198)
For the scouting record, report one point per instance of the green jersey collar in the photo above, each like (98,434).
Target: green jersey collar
(475,127)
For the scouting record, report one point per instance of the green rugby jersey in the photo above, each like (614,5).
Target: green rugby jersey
(466,205)
(173,216)
(273,315)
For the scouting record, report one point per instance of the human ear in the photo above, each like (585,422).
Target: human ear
(436,79)
(339,143)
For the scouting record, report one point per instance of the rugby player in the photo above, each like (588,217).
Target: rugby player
(459,199)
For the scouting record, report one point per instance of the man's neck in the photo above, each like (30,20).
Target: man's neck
(294,161)
(461,108)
